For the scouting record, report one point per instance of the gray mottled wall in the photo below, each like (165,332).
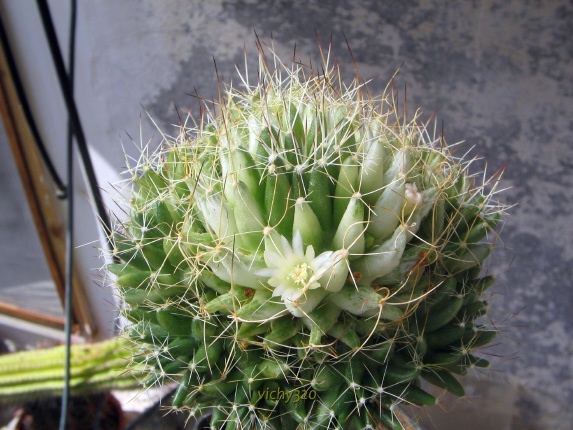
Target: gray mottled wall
(499,73)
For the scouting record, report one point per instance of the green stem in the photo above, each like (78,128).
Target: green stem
(99,366)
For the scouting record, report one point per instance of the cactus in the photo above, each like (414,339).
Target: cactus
(100,366)
(304,257)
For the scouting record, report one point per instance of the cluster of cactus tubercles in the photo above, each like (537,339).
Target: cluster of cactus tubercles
(303,257)
(34,374)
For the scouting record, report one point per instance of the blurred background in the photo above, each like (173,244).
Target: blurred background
(498,74)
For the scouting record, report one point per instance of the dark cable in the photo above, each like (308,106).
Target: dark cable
(73,113)
(102,398)
(28,113)
(70,224)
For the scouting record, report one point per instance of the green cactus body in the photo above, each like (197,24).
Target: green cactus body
(100,366)
(304,232)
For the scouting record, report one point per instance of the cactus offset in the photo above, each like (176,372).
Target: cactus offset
(303,257)
(100,366)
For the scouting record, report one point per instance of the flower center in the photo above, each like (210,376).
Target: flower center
(300,274)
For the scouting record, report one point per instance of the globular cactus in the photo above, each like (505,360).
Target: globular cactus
(303,257)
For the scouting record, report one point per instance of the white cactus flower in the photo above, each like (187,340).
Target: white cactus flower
(299,277)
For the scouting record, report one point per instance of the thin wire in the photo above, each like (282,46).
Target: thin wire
(100,406)
(70,224)
(74,115)
(61,188)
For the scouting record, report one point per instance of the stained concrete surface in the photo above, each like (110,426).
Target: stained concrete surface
(498,73)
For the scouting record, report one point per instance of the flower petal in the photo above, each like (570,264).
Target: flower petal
(280,290)
(302,304)
(313,285)
(265,273)
(297,245)
(286,248)
(274,260)
(333,278)
(322,260)
(309,255)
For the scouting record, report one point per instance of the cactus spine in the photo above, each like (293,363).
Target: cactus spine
(303,257)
